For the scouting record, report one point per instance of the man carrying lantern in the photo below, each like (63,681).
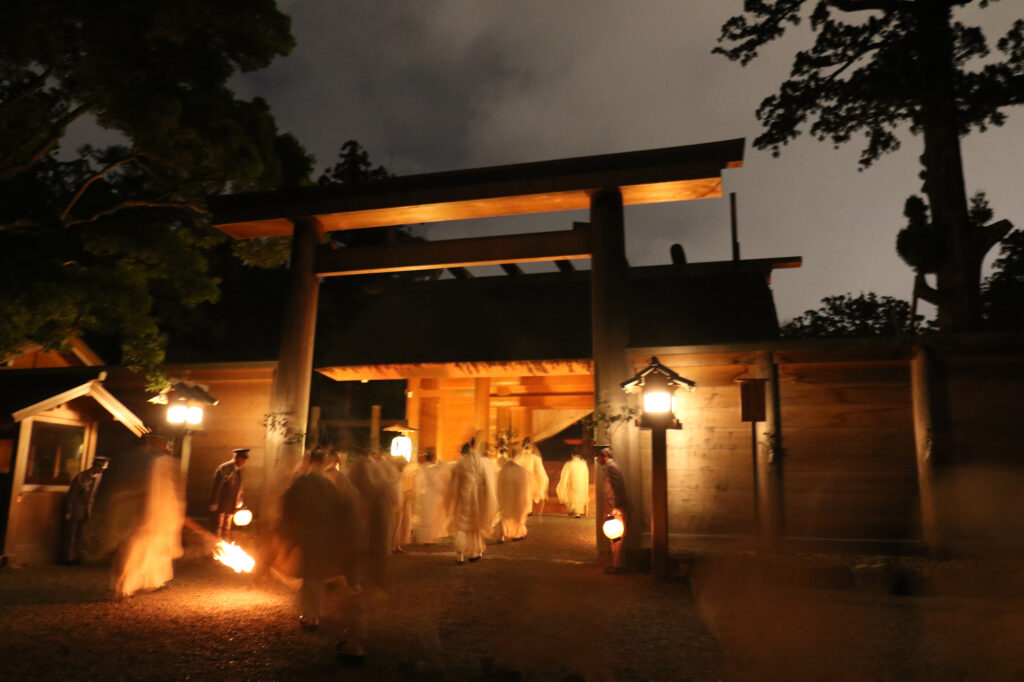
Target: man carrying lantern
(226,496)
(616,503)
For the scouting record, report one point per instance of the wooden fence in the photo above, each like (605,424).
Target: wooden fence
(892,445)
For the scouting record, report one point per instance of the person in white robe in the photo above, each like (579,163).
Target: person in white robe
(407,492)
(472,505)
(573,487)
(529,458)
(513,501)
(145,561)
(377,481)
(432,482)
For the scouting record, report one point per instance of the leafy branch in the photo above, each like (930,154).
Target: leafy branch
(277,423)
(607,418)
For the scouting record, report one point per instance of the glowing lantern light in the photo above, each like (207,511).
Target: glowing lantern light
(234,557)
(658,402)
(401,446)
(177,413)
(243,517)
(194,415)
(613,528)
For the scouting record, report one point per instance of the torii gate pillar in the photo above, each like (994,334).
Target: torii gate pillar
(610,337)
(289,395)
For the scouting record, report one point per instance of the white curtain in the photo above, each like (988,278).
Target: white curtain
(547,423)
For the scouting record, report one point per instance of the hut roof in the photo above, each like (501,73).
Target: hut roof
(26,393)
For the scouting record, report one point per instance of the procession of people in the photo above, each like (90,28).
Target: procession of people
(341,518)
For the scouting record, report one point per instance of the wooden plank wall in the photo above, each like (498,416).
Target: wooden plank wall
(981,495)
(848,436)
(237,422)
(849,461)
(709,461)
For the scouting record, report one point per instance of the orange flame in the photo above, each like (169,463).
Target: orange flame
(233,556)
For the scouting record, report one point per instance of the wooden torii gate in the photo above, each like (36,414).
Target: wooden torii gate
(603,184)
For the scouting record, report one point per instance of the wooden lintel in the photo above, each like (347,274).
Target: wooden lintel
(454,253)
(649,176)
(439,370)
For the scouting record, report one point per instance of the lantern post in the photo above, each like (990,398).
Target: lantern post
(658,385)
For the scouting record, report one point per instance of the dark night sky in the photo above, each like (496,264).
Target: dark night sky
(448,84)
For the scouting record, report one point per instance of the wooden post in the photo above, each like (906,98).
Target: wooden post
(922,395)
(610,336)
(771,515)
(659,503)
(313,438)
(289,395)
(481,412)
(374,429)
(412,413)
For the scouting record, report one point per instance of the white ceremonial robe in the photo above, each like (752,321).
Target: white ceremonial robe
(432,483)
(472,505)
(145,561)
(574,486)
(513,500)
(534,466)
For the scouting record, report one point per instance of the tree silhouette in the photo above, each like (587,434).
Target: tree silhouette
(876,66)
(90,244)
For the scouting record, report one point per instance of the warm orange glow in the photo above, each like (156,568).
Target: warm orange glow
(243,517)
(177,413)
(613,528)
(233,556)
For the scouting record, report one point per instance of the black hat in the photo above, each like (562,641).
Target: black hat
(602,446)
(100,461)
(241,452)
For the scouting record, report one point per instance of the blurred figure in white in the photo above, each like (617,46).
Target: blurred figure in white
(432,482)
(407,493)
(573,487)
(513,501)
(377,481)
(529,458)
(145,559)
(472,505)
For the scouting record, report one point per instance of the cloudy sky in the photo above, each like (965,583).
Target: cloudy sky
(433,85)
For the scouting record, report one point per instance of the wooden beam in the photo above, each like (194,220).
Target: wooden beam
(549,401)
(453,253)
(511,269)
(446,370)
(650,176)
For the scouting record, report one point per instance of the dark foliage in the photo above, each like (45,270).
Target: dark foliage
(874,67)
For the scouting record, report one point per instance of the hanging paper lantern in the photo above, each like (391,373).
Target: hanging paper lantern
(401,446)
(613,528)
(243,517)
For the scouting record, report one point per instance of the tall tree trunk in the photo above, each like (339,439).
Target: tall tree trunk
(959,275)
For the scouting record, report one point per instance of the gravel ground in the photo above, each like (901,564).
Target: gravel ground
(534,610)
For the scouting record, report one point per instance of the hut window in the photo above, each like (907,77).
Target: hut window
(54,454)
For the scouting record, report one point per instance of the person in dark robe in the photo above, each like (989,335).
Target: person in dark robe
(616,502)
(226,496)
(78,509)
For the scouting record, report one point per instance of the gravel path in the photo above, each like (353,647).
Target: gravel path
(540,609)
